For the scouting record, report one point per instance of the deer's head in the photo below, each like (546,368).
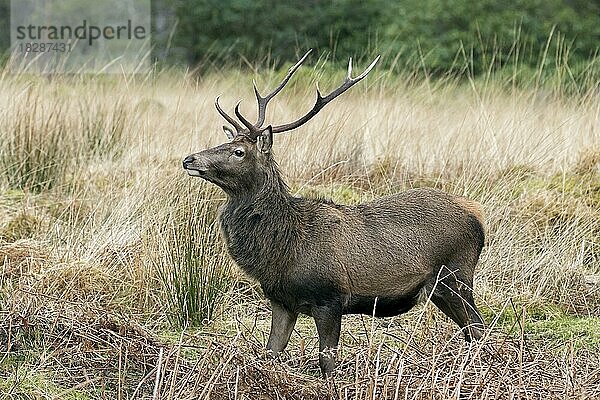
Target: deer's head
(245,161)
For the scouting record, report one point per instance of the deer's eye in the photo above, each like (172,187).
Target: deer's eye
(239,153)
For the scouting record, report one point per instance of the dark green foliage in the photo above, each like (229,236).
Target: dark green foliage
(275,29)
(491,32)
(436,36)
(4,28)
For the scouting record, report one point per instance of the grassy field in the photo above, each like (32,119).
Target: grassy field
(115,284)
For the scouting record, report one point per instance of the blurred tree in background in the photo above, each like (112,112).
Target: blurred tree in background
(4,26)
(275,29)
(440,31)
(437,36)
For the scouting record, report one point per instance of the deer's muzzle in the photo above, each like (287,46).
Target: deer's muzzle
(190,164)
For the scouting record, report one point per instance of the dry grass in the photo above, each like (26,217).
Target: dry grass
(95,213)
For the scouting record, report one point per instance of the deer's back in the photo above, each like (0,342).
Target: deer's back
(394,244)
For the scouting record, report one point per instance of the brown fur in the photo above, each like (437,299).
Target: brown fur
(472,207)
(322,259)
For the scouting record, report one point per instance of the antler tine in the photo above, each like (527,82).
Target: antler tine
(263,101)
(369,68)
(349,76)
(251,128)
(323,100)
(229,119)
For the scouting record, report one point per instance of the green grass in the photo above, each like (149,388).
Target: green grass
(550,324)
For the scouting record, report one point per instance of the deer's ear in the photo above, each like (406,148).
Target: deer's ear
(228,132)
(264,141)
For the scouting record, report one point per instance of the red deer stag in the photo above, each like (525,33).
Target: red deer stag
(322,259)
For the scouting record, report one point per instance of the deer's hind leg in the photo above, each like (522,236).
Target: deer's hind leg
(454,297)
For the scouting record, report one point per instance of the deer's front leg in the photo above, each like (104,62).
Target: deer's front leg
(282,325)
(329,323)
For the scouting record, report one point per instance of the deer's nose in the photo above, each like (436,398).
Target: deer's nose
(188,160)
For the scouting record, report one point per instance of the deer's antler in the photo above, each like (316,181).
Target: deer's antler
(323,100)
(263,101)
(252,130)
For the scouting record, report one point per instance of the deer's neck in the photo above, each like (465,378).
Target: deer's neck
(260,228)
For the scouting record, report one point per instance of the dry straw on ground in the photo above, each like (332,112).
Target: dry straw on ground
(99,224)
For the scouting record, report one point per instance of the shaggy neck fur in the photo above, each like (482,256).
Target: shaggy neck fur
(260,227)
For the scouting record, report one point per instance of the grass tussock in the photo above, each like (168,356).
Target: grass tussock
(114,282)
(189,255)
